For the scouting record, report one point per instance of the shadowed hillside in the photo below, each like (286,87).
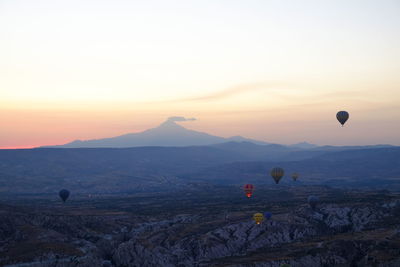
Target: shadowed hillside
(106,170)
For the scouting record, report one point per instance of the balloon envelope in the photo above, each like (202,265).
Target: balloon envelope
(313,201)
(267,215)
(295,176)
(258,218)
(64,194)
(342,117)
(248,189)
(277,174)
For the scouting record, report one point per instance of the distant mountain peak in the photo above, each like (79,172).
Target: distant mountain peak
(170,125)
(238,138)
(168,133)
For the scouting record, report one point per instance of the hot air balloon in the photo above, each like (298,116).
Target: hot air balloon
(295,175)
(248,189)
(277,174)
(313,201)
(342,117)
(267,215)
(258,218)
(64,194)
(226,215)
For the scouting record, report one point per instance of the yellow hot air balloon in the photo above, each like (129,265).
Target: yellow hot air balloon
(295,175)
(258,218)
(277,174)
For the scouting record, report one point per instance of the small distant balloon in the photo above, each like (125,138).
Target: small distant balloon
(64,194)
(258,218)
(248,189)
(277,174)
(313,201)
(342,117)
(226,215)
(267,215)
(295,175)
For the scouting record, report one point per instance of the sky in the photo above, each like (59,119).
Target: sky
(276,71)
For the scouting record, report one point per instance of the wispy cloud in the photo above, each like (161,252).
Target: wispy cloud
(177,118)
(277,89)
(232,91)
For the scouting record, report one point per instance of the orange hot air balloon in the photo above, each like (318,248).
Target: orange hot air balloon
(248,189)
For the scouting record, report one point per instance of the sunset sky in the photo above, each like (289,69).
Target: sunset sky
(276,71)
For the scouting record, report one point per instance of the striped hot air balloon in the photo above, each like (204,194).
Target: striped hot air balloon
(277,174)
(248,189)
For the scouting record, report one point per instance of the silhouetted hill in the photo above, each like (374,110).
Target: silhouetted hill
(303,145)
(251,151)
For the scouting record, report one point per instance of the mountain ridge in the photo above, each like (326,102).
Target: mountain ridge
(168,133)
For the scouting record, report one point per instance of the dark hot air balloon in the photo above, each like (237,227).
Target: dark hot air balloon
(342,117)
(295,175)
(267,215)
(64,194)
(313,201)
(248,189)
(277,174)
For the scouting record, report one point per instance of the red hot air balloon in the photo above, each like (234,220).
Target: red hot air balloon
(248,189)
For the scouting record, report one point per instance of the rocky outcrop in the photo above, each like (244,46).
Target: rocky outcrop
(331,235)
(245,237)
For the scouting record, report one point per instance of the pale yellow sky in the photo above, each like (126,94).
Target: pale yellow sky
(271,70)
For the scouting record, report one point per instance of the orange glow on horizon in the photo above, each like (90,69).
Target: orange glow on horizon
(18,147)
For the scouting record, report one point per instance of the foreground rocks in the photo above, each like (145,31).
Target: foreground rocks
(332,235)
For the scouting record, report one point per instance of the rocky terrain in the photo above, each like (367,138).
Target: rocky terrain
(360,229)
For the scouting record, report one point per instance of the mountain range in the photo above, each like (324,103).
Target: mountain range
(168,133)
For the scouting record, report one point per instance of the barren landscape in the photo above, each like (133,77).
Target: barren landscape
(210,226)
